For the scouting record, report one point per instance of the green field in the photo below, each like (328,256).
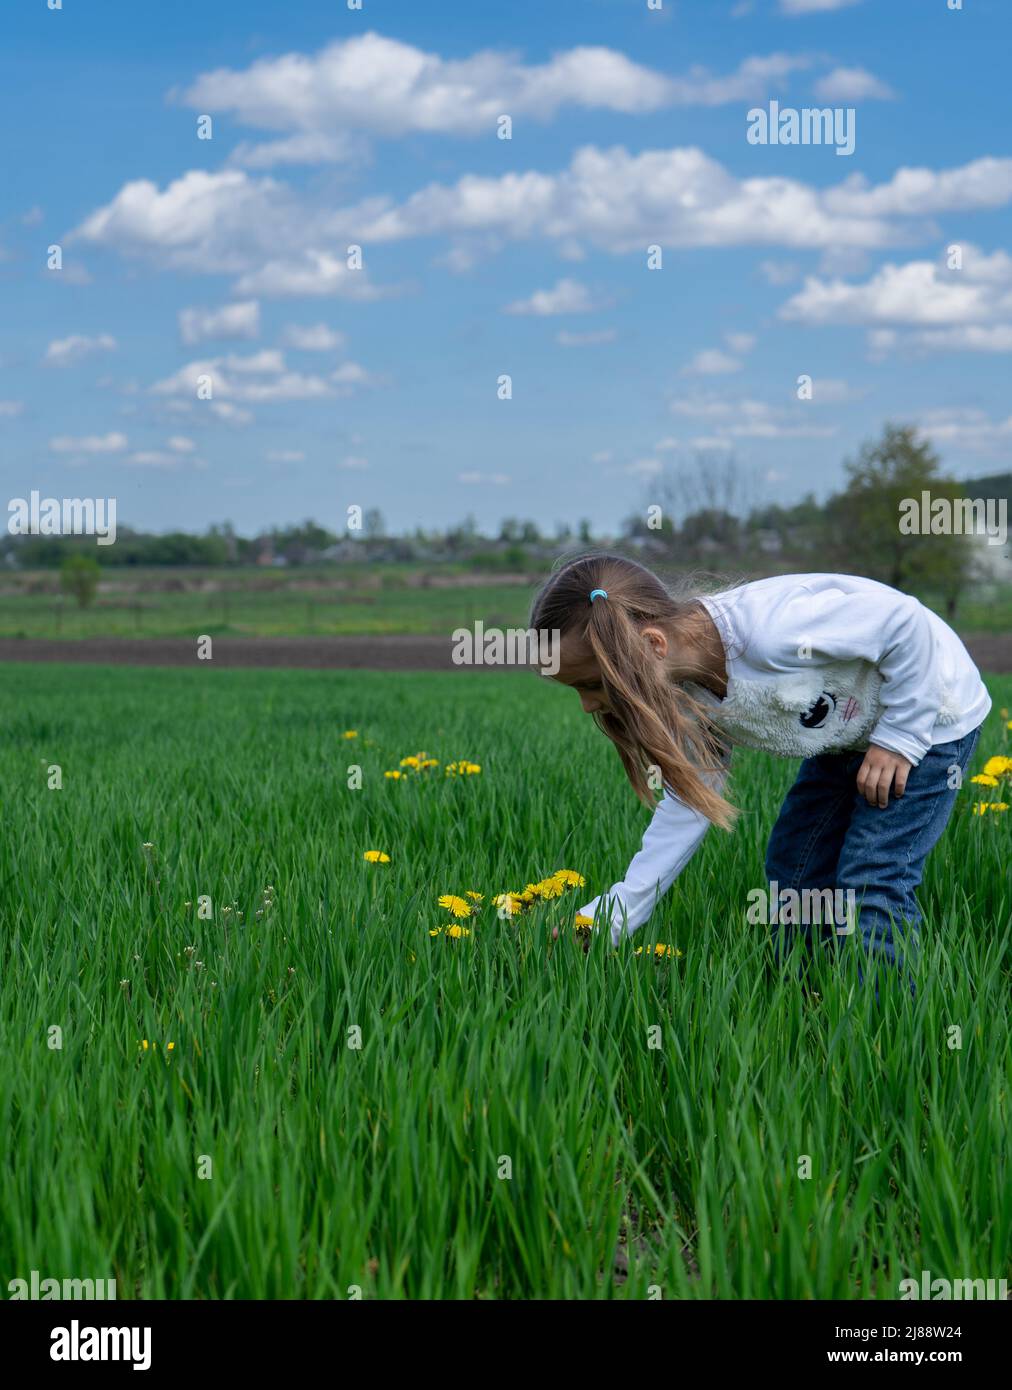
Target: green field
(505,1129)
(324,600)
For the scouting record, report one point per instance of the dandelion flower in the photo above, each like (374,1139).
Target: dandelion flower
(570,878)
(411,762)
(475,897)
(350,733)
(376,856)
(458,931)
(550,888)
(581,920)
(661,949)
(434,931)
(998,766)
(982,807)
(394,774)
(985,779)
(459,907)
(509,902)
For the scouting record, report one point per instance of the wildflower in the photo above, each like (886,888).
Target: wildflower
(661,949)
(434,931)
(395,774)
(510,902)
(144,1044)
(475,897)
(457,906)
(550,888)
(411,762)
(376,856)
(985,779)
(458,931)
(580,920)
(350,733)
(998,766)
(569,878)
(463,768)
(982,807)
(169,1047)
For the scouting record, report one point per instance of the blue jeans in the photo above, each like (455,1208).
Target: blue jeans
(827,836)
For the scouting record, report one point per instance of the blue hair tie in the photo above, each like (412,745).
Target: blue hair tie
(598,593)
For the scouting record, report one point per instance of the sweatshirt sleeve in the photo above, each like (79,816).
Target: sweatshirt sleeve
(889,629)
(674,834)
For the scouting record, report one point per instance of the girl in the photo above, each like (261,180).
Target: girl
(873,691)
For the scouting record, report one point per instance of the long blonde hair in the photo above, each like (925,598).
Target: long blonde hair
(652,721)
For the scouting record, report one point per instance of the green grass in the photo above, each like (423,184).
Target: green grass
(346,600)
(379,1167)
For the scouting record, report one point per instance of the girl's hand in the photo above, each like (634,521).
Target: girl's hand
(880,771)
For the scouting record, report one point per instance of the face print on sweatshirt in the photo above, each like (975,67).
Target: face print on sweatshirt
(823,707)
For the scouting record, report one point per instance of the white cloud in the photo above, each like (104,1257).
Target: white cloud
(260,378)
(794,7)
(621,202)
(644,468)
(309,147)
(66,352)
(112,443)
(240,320)
(380,86)
(740,342)
(317,337)
(309,273)
(919,293)
(779,272)
(8,409)
(711,362)
(228,413)
(982,183)
(158,458)
(593,339)
(749,419)
(180,444)
(285,456)
(355,462)
(852,84)
(567,297)
(470,479)
(969,429)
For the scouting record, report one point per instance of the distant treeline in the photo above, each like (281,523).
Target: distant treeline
(703,515)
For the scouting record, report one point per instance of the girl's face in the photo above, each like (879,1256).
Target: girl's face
(578,669)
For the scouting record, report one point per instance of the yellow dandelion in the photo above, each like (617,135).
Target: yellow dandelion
(169,1046)
(982,807)
(428,762)
(510,902)
(985,779)
(411,762)
(144,1044)
(457,906)
(350,733)
(395,773)
(434,931)
(376,856)
(550,888)
(475,897)
(998,766)
(661,949)
(570,878)
(581,920)
(457,931)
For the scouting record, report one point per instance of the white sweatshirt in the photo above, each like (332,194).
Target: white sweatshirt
(816,663)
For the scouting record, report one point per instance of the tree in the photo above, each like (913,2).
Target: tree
(865,518)
(79,575)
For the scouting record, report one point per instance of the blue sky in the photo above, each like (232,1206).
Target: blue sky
(226,259)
